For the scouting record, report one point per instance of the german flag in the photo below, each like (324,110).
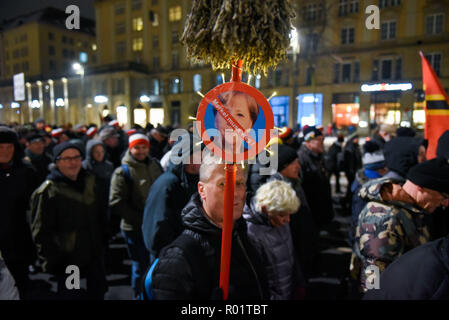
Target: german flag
(437,107)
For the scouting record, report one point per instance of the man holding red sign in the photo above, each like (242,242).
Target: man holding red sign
(189,268)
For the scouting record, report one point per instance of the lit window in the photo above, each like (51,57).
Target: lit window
(94,47)
(197,82)
(137,44)
(174,13)
(138,24)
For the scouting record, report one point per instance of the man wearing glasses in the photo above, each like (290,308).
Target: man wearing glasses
(69,216)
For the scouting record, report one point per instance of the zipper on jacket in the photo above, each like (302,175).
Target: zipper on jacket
(251,265)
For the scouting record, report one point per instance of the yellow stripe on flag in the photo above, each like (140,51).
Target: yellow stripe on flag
(435,97)
(438,112)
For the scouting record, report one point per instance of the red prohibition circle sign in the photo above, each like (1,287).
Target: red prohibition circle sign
(237,105)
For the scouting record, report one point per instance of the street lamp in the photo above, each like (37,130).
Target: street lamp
(79,69)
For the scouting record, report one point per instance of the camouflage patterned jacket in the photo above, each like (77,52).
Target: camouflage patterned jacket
(386,229)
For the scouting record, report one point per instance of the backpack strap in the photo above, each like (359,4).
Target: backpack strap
(147,292)
(128,178)
(194,248)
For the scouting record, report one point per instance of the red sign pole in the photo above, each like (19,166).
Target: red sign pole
(226,239)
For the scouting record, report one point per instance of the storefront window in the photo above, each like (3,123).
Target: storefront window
(156,116)
(310,109)
(345,114)
(280,110)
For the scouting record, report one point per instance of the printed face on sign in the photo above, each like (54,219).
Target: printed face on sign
(234,120)
(243,109)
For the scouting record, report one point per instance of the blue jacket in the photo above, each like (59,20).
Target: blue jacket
(162,214)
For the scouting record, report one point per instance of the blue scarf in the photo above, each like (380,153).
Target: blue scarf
(372,174)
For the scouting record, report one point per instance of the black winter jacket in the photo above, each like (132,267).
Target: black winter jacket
(420,274)
(17,183)
(316,185)
(174,278)
(352,159)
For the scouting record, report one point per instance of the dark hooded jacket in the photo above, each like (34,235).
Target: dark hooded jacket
(352,158)
(443,145)
(275,246)
(104,169)
(162,214)
(401,154)
(40,163)
(17,182)
(174,278)
(316,185)
(68,221)
(420,274)
(439,226)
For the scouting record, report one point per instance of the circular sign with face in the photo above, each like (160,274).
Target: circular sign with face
(235,121)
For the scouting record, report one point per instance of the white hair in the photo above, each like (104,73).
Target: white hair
(278,197)
(208,164)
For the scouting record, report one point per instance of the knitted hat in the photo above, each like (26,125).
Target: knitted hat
(56,132)
(286,133)
(33,137)
(108,132)
(113,123)
(311,132)
(443,145)
(286,155)
(432,174)
(91,132)
(130,132)
(8,135)
(138,138)
(60,148)
(373,158)
(405,132)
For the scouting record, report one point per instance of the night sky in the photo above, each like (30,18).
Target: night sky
(12,8)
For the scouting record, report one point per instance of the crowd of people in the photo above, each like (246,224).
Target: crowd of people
(66,193)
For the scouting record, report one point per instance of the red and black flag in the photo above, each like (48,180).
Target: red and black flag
(437,107)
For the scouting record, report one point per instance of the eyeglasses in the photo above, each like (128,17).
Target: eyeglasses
(67,159)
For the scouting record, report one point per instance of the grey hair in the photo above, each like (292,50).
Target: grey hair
(277,196)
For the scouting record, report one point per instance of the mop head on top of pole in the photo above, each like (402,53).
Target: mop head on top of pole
(221,31)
